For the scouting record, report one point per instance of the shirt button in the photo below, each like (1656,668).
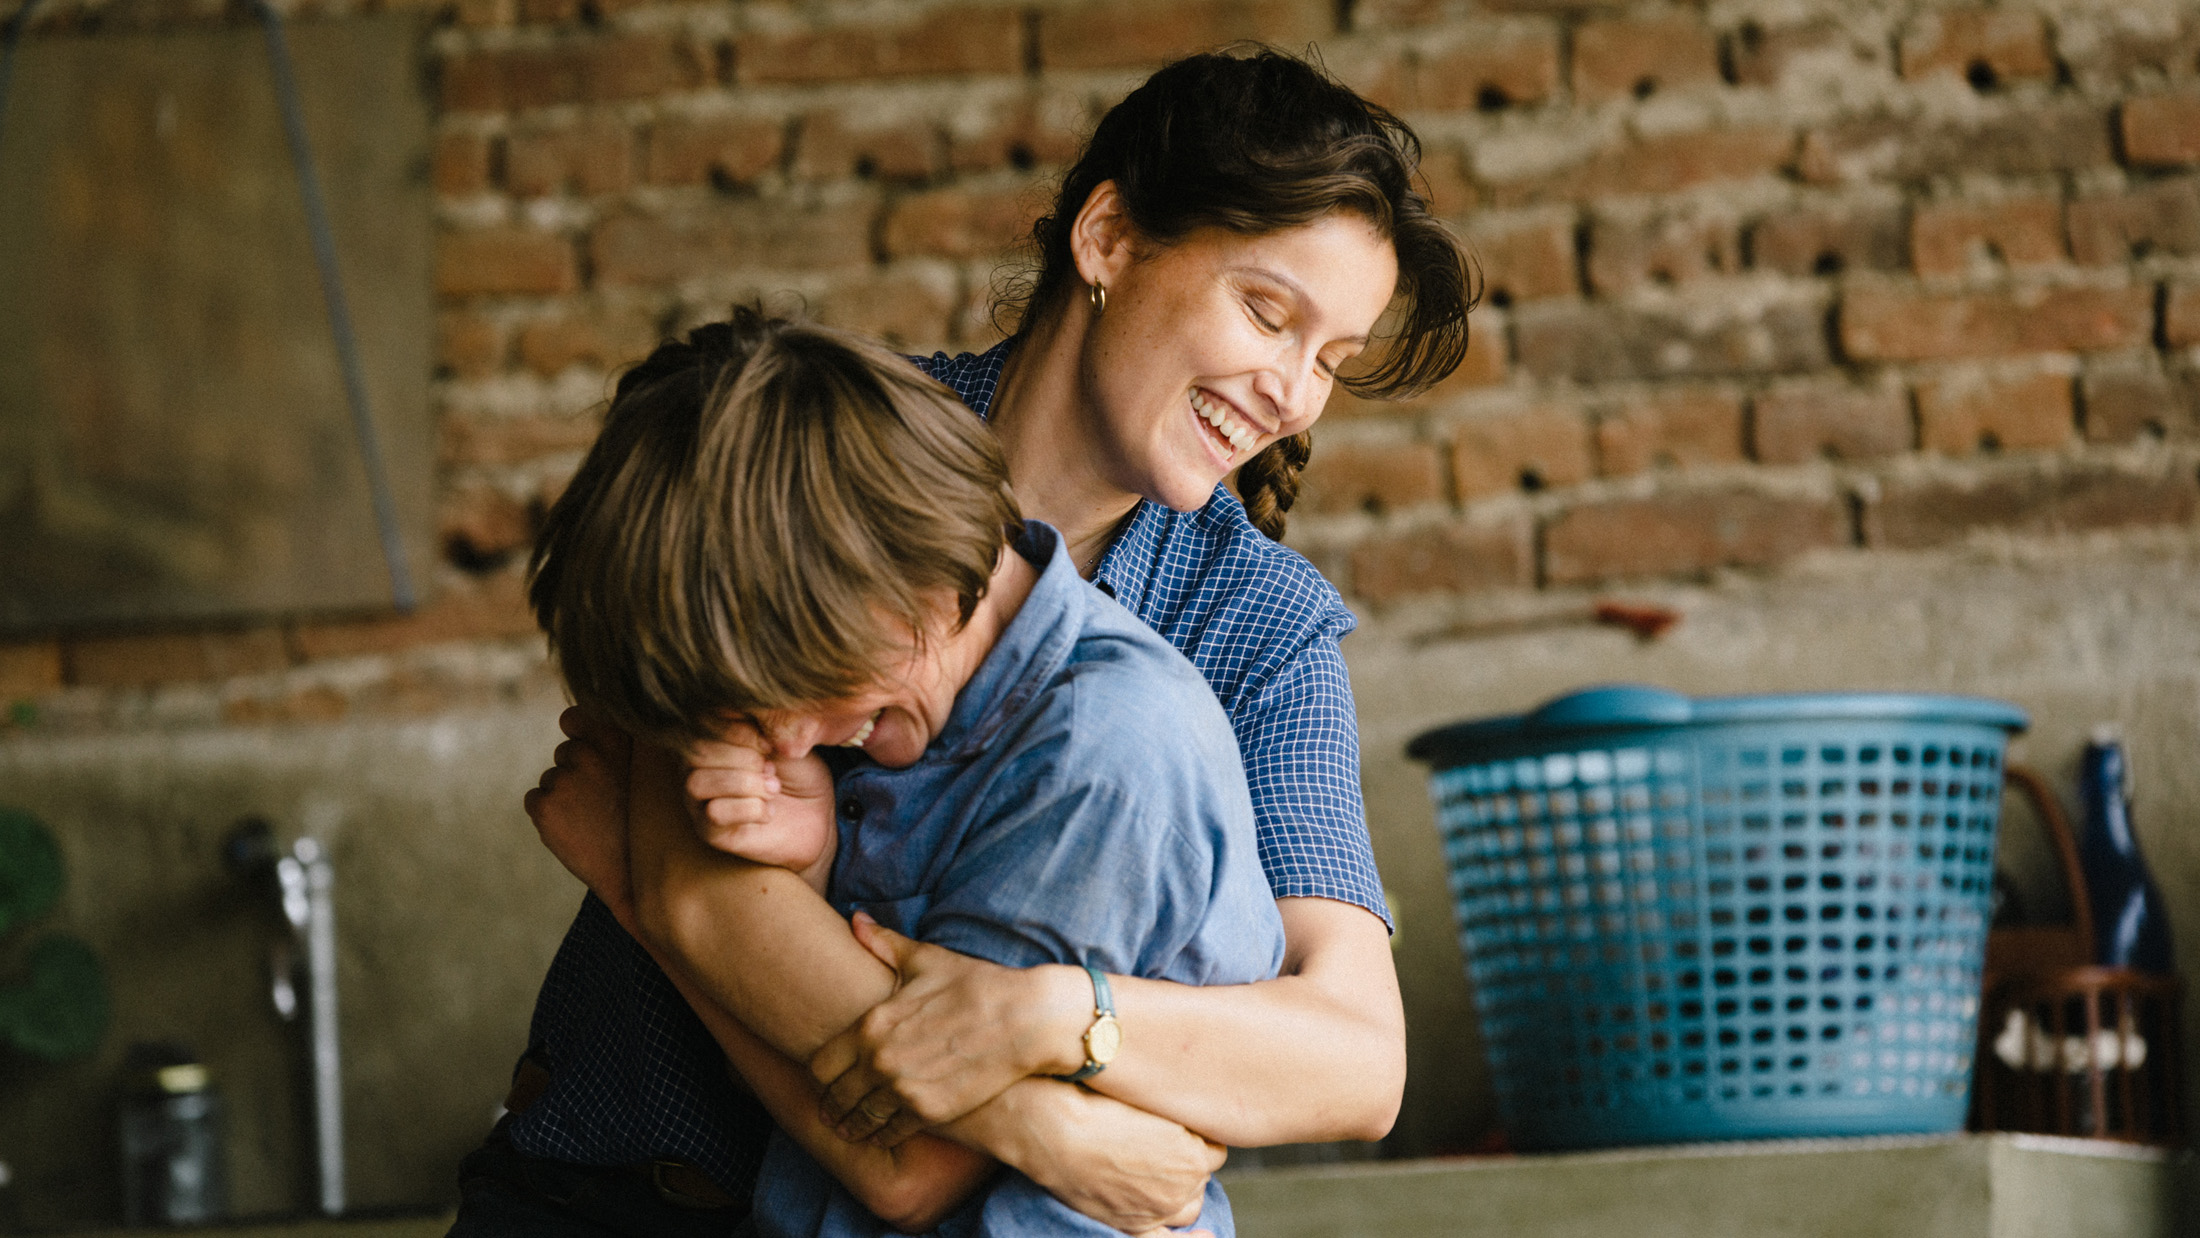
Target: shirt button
(852,808)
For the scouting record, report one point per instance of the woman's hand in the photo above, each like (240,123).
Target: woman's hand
(579,808)
(957,1032)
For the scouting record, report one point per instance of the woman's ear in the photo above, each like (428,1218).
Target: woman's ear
(1100,237)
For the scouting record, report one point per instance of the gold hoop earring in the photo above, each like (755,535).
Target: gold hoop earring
(1097,293)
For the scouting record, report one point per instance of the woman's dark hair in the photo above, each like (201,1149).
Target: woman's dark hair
(1255,141)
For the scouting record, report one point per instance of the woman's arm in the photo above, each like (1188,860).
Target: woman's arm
(1127,1169)
(1316,1054)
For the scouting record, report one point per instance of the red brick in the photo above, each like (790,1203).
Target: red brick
(1112,34)
(483,14)
(488,608)
(30,669)
(1960,414)
(1625,254)
(1593,342)
(608,341)
(481,527)
(1025,134)
(911,311)
(1986,47)
(140,661)
(461,164)
(639,66)
(1489,69)
(1526,261)
(827,148)
(600,70)
(1889,324)
(978,38)
(468,345)
(2066,137)
(2181,315)
(595,157)
(500,442)
(1686,535)
(1459,557)
(1670,429)
(1535,449)
(1918,512)
(1484,365)
(1828,242)
(503,260)
(961,223)
(2160,218)
(1763,57)
(1371,477)
(725,150)
(1619,57)
(1953,238)
(1449,179)
(1664,164)
(634,249)
(2128,403)
(1794,424)
(2161,131)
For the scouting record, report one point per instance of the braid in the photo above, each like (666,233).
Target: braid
(1269,482)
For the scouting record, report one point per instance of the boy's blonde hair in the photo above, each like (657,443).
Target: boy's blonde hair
(772,510)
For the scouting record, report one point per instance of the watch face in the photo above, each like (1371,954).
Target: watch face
(1103,1038)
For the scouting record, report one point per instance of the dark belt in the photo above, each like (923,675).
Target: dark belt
(676,1182)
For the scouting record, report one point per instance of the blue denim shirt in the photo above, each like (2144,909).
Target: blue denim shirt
(1084,803)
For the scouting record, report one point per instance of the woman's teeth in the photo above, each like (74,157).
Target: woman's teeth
(1241,437)
(862,733)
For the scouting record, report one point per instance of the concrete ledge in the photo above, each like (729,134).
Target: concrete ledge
(1990,1186)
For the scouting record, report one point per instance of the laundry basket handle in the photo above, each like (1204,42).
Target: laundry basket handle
(2048,808)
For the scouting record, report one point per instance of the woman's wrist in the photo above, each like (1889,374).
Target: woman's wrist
(1062,1006)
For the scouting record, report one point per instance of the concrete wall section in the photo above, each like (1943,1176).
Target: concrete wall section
(447,911)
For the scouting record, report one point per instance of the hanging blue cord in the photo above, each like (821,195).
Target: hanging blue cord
(339,316)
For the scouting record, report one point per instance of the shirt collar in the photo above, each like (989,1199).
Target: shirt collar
(1036,644)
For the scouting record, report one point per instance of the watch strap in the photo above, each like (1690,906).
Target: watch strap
(1103,1007)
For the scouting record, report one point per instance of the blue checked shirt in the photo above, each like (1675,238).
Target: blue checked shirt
(634,1075)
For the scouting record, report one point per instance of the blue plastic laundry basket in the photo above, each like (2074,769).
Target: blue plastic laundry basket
(1726,918)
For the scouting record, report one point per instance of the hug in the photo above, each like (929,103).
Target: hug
(966,780)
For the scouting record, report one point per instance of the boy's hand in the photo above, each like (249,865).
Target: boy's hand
(579,808)
(764,809)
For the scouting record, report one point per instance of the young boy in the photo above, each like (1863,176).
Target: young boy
(788,535)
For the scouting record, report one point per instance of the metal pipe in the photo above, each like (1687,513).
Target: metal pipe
(328,1075)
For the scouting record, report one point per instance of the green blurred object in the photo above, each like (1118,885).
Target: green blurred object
(56,1008)
(30,869)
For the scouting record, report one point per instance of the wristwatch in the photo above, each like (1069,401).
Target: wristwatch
(1105,1036)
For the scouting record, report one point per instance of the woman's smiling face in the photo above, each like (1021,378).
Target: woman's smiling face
(1214,346)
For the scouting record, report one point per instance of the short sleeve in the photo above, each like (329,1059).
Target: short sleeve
(1301,740)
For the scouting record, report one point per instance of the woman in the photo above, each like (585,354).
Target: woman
(1224,247)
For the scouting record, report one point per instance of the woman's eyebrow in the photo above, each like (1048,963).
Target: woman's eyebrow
(1298,290)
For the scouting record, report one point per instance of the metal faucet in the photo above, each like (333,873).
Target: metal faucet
(304,884)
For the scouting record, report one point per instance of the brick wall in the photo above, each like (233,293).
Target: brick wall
(1763,278)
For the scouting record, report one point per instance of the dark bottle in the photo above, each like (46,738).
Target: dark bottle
(2130,924)
(173,1171)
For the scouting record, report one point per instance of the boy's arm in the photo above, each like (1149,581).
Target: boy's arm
(802,970)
